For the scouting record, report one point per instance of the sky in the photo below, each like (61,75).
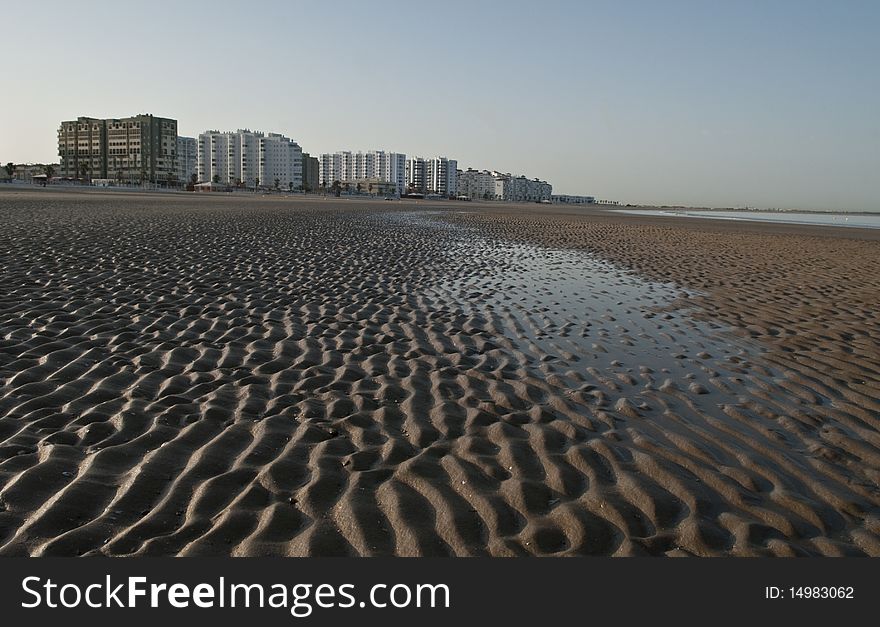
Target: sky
(766,103)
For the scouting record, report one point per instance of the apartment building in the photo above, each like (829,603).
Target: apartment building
(491,185)
(476,184)
(311,177)
(521,189)
(82,147)
(249,158)
(415,176)
(187,158)
(348,167)
(141,148)
(437,175)
(441,176)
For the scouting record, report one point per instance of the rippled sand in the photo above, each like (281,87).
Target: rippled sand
(212,375)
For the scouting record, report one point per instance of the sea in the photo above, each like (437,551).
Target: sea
(855,220)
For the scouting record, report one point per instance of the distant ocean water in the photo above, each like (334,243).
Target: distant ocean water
(856,220)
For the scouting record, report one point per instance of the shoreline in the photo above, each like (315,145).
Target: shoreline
(6,187)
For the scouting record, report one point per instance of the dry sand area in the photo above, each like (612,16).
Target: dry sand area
(228,375)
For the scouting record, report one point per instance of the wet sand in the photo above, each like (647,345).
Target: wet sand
(215,375)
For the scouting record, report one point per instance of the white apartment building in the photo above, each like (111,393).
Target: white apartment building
(249,158)
(415,175)
(187,158)
(476,184)
(441,176)
(437,175)
(348,167)
(486,185)
(329,167)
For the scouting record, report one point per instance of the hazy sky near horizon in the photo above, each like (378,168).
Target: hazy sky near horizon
(768,103)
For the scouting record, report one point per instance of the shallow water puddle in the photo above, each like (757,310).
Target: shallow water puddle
(569,312)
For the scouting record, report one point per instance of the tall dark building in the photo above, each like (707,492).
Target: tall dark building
(310,173)
(142,148)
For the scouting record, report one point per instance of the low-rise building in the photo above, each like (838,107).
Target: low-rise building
(31,172)
(374,187)
(566,199)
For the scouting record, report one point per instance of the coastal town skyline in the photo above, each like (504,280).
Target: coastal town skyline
(654,105)
(146,150)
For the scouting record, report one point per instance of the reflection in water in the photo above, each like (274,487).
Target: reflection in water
(589,324)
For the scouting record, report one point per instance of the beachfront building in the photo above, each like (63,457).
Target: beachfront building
(347,167)
(441,176)
(373,187)
(311,178)
(246,158)
(566,199)
(187,158)
(476,184)
(437,175)
(82,147)
(30,172)
(544,190)
(491,185)
(328,169)
(512,188)
(141,148)
(415,176)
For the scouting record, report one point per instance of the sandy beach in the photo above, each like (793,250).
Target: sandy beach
(216,374)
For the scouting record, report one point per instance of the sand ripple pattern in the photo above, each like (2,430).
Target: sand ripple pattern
(266,377)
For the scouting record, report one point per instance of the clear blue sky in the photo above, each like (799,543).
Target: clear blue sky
(765,103)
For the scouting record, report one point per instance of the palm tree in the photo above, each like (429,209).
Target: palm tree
(290,186)
(336,188)
(49,170)
(216,179)
(256,184)
(194,178)
(277,183)
(10,168)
